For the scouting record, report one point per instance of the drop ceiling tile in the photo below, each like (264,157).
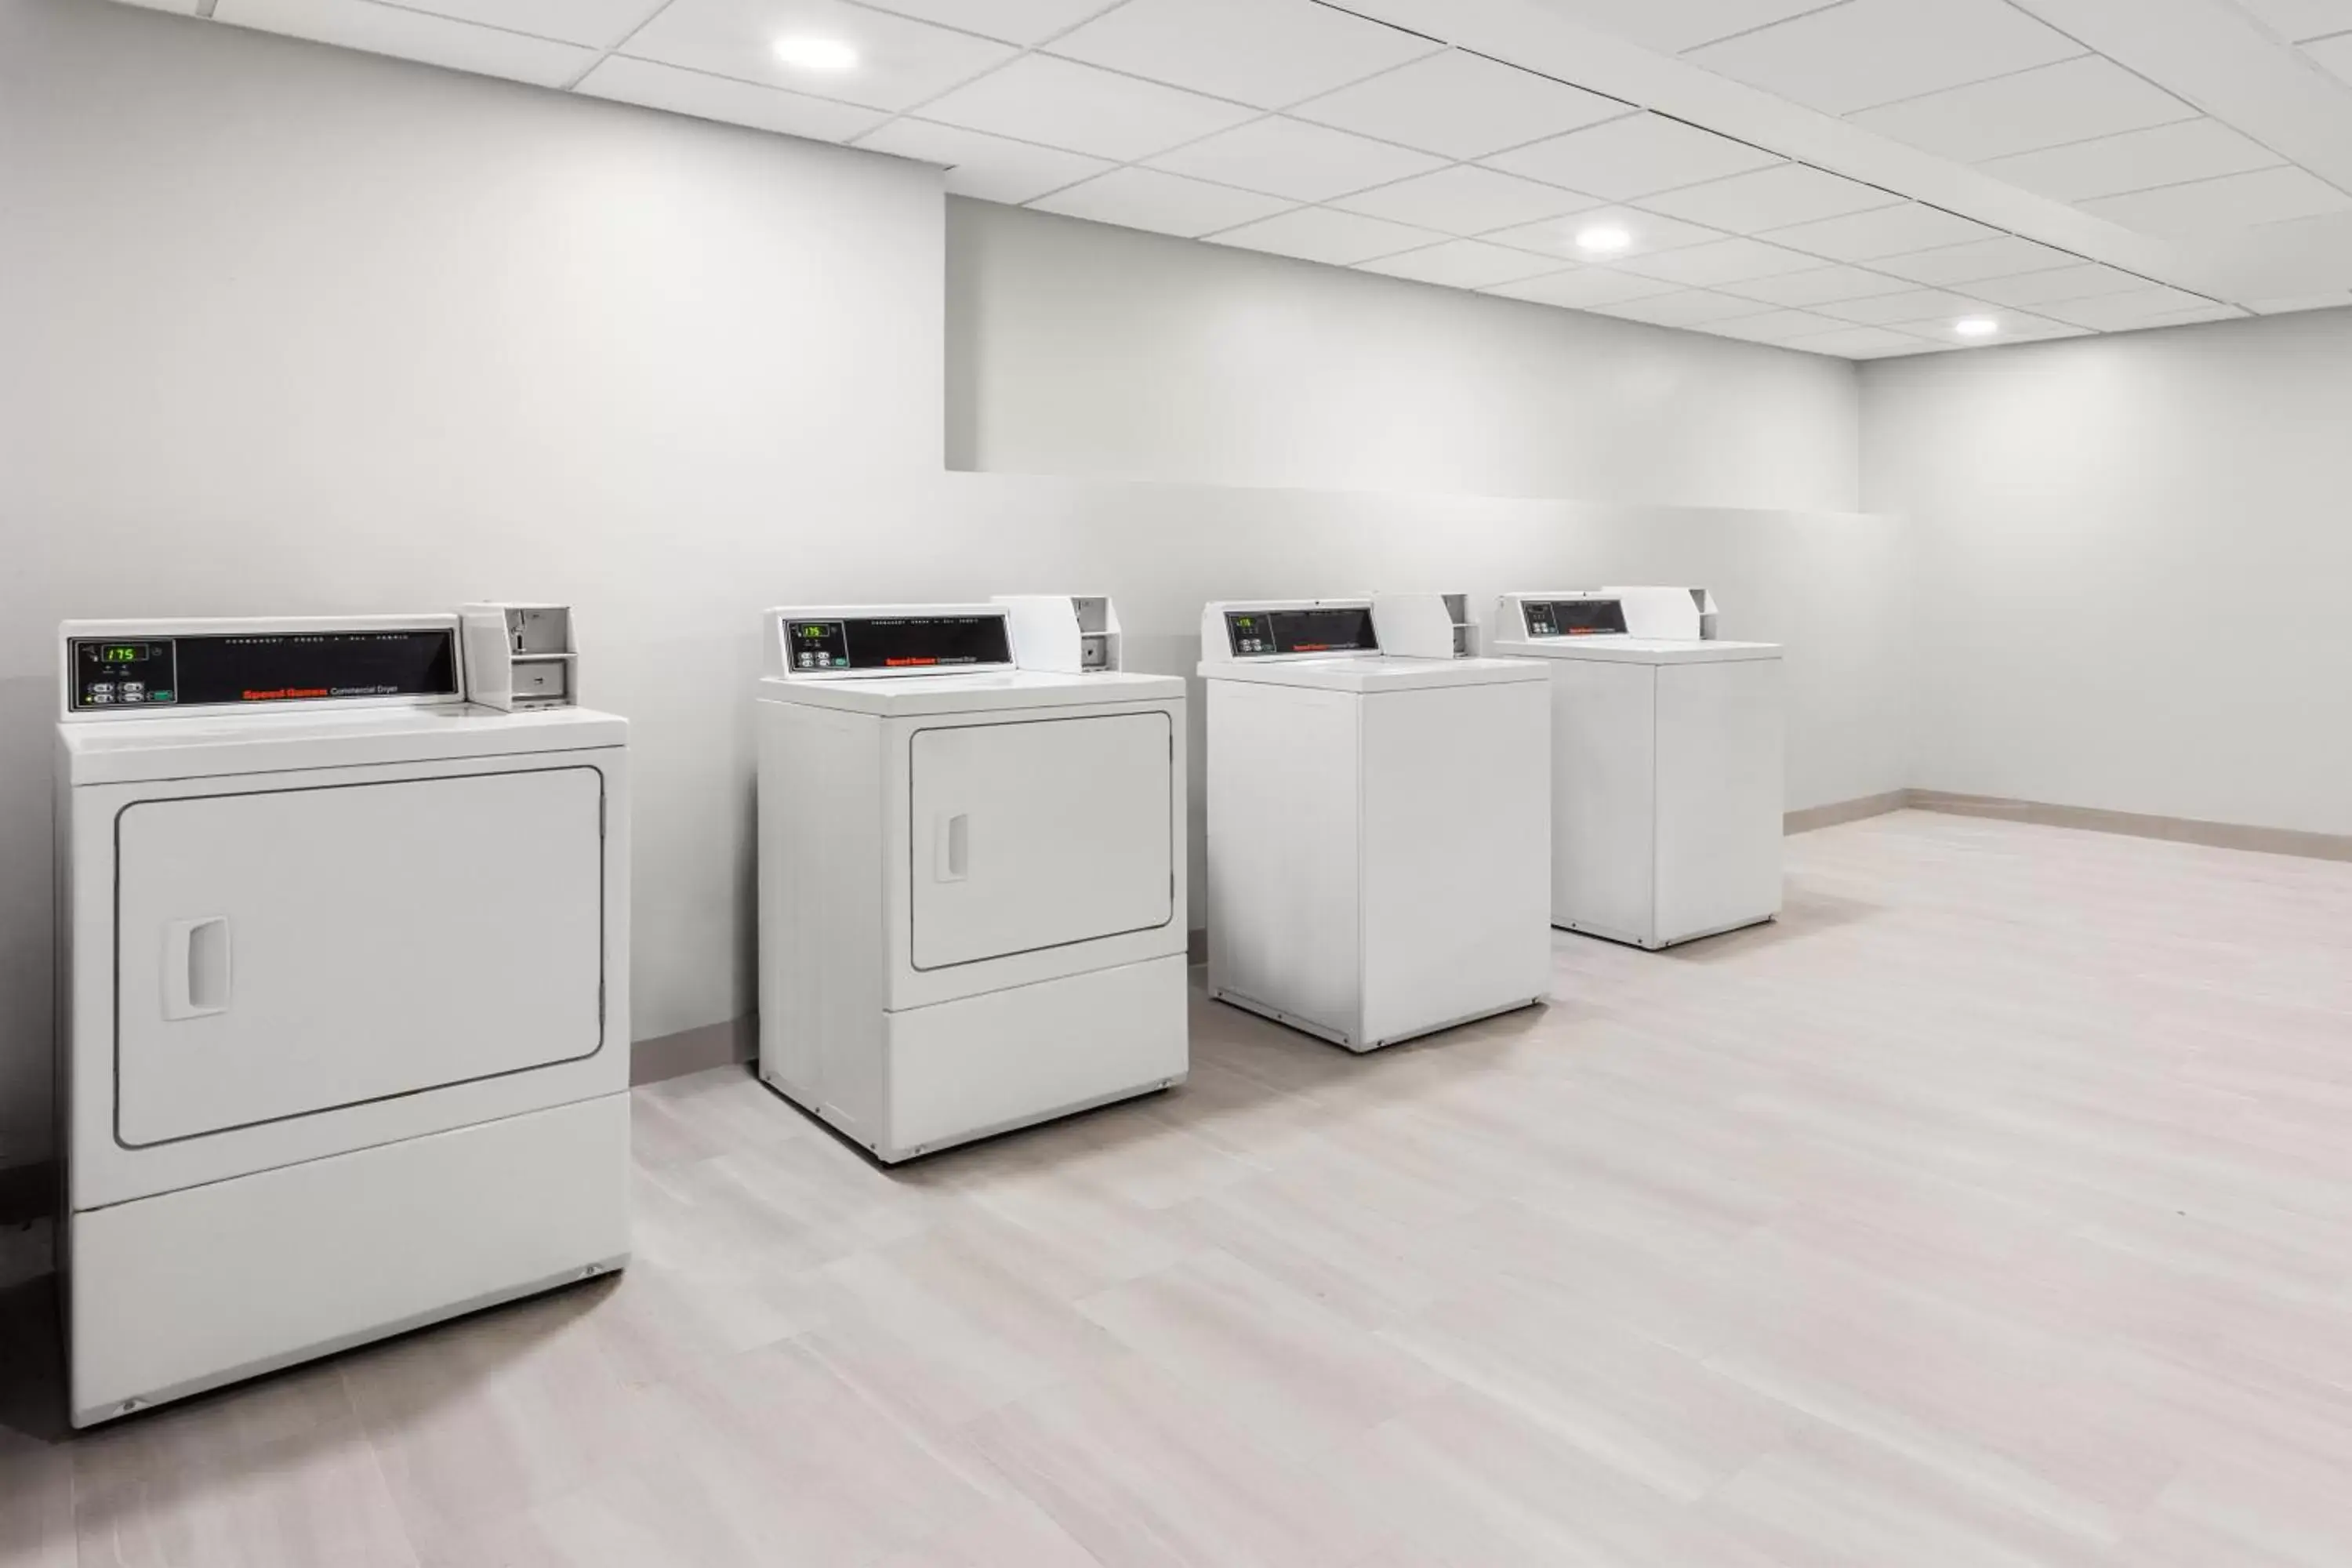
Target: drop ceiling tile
(1858,343)
(1684,308)
(1645,234)
(2078,283)
(2295,302)
(1585,288)
(2072,100)
(599,24)
(1914,305)
(1671,29)
(1463,106)
(1318,234)
(1882,231)
(1291,158)
(413,35)
(181,7)
(1063,104)
(2192,318)
(1774,326)
(2334,54)
(2135,161)
(2008,327)
(1722,262)
(1769,198)
(2112,313)
(991,168)
(2295,20)
(899,63)
(2232,201)
(2004,257)
(1465,199)
(1464,264)
(1014,21)
(707,97)
(1165,203)
(1635,156)
(1267,52)
(1820,285)
(1866,52)
(1170,204)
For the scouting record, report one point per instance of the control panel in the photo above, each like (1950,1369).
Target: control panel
(223,670)
(1319,628)
(909,643)
(1574,617)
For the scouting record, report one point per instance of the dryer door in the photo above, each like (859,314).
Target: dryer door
(1039,833)
(284,952)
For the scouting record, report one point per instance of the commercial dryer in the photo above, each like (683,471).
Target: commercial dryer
(971,877)
(1379,825)
(344,986)
(1666,762)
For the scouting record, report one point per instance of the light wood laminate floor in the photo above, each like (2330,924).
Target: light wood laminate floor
(1993,1208)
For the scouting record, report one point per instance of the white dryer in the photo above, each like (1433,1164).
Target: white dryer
(971,877)
(343,991)
(1379,825)
(1666,762)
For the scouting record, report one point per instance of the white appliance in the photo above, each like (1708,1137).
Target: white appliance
(1666,763)
(1379,826)
(343,994)
(971,877)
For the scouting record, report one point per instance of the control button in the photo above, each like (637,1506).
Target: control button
(101,689)
(102,698)
(131,696)
(131,686)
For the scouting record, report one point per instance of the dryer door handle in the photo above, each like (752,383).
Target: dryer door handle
(951,847)
(196,968)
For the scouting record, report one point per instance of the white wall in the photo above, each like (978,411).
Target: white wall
(2134,567)
(1077,348)
(288,329)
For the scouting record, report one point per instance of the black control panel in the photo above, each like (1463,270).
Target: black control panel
(1574,617)
(213,671)
(1258,634)
(897,642)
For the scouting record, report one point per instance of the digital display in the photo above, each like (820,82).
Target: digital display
(1574,617)
(216,670)
(1257,634)
(912,642)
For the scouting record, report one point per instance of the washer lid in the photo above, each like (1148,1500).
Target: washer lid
(891,696)
(279,742)
(1637,650)
(1374,672)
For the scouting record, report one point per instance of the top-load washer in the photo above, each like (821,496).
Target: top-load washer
(344,993)
(971,876)
(1666,762)
(1379,824)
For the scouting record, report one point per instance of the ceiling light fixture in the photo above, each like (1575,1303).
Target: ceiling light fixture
(1976,326)
(817,54)
(1603,240)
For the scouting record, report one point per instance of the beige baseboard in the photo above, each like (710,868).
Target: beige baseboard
(692,1050)
(2139,825)
(1837,811)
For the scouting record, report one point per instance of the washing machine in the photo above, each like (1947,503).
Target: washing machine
(1666,762)
(344,970)
(971,876)
(1378,823)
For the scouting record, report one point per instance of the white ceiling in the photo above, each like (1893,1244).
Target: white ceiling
(1847,177)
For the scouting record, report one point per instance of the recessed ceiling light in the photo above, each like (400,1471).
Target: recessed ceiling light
(817,54)
(1976,326)
(1603,238)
